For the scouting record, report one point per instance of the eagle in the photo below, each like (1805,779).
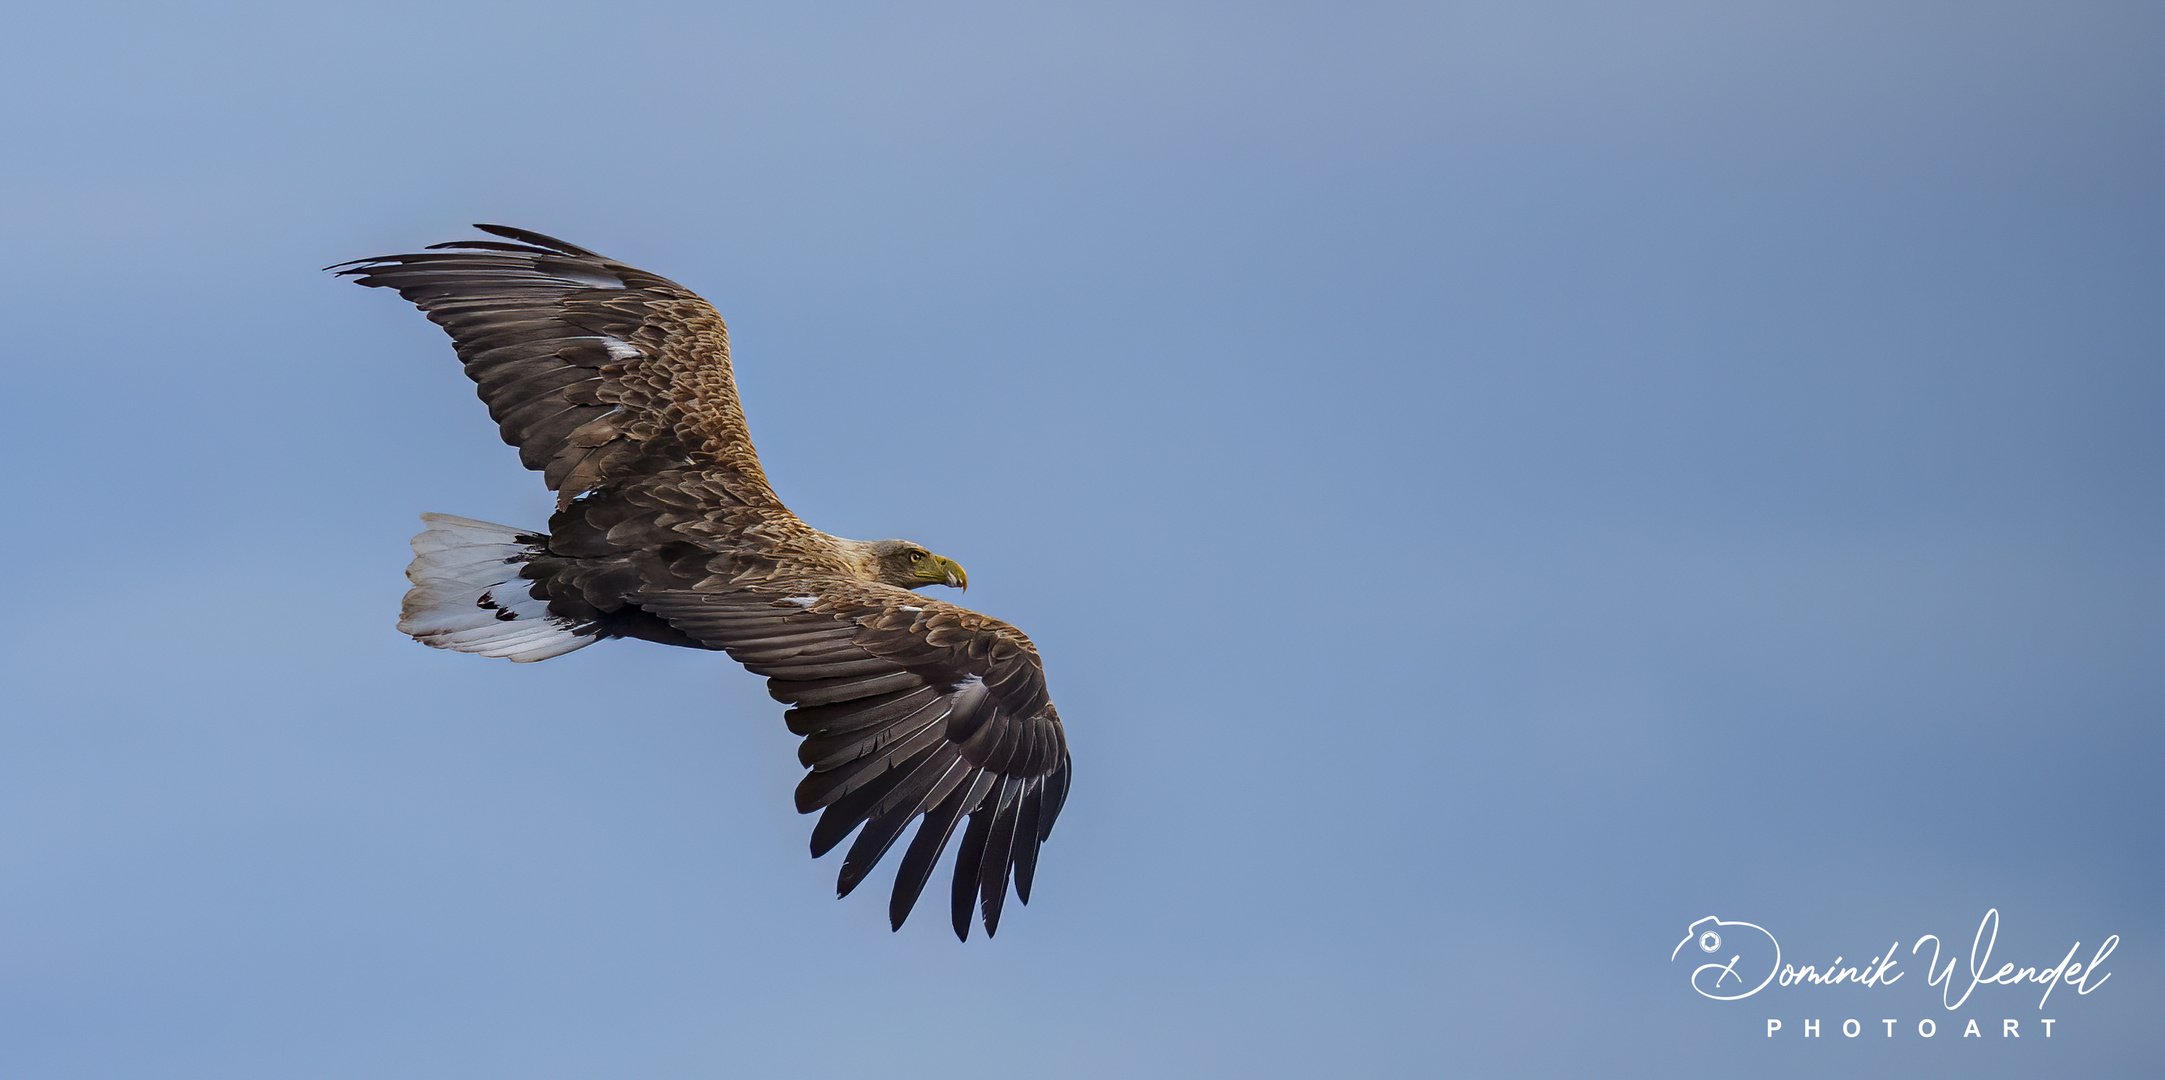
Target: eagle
(616,386)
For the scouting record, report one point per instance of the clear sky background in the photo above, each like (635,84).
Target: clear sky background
(1493,483)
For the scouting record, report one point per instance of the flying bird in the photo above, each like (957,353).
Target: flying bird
(615,385)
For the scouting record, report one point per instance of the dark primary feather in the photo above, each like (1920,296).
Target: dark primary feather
(998,860)
(933,832)
(534,238)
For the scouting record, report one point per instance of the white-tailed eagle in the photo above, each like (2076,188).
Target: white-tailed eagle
(615,385)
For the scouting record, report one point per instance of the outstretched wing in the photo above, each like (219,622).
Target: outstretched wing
(595,370)
(910,708)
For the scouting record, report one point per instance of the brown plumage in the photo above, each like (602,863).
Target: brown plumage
(615,384)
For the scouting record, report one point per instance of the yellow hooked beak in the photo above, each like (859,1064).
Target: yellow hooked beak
(955,578)
(940,570)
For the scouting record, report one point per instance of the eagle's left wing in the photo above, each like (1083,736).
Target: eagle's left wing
(597,371)
(909,707)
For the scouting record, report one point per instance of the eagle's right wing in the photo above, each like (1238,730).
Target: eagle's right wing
(910,708)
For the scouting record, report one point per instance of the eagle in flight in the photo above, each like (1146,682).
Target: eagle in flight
(615,385)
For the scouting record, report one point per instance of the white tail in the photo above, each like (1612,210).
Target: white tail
(468,596)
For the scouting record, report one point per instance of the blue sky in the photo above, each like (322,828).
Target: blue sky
(1493,483)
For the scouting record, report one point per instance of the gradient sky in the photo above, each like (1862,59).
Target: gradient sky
(1493,484)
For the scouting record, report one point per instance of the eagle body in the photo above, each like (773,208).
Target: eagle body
(615,385)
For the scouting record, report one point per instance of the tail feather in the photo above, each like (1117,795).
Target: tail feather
(468,596)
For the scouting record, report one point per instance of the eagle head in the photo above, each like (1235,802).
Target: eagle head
(902,563)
